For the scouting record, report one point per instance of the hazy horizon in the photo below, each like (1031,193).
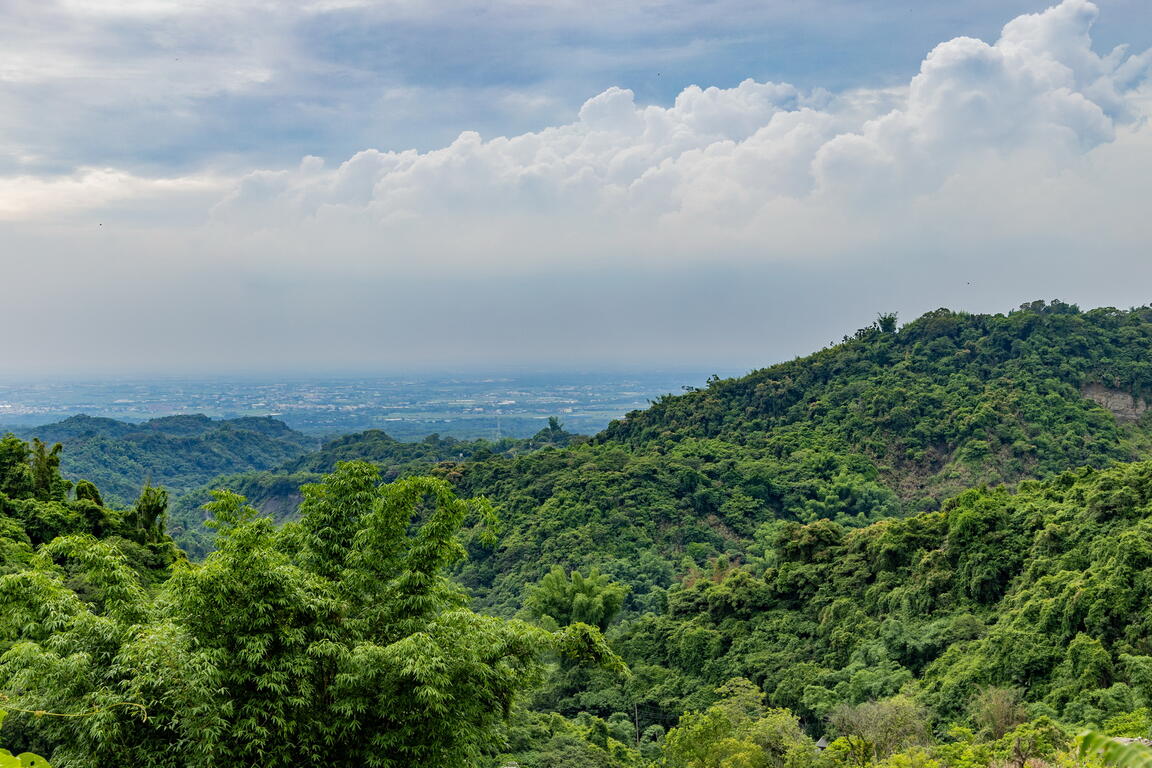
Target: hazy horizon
(367,186)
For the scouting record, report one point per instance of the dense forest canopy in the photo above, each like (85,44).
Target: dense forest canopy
(181,453)
(928,545)
(885,424)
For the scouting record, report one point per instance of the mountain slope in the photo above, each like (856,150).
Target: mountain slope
(948,400)
(887,423)
(178,452)
(276,491)
(1045,590)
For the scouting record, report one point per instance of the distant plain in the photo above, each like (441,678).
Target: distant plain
(466,406)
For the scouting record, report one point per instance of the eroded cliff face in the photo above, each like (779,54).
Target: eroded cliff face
(1125,406)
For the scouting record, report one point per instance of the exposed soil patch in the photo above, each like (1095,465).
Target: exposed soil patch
(1125,406)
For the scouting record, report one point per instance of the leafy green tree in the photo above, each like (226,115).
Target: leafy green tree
(548,740)
(738,731)
(281,649)
(149,514)
(1039,739)
(47,484)
(998,710)
(15,471)
(1134,724)
(875,730)
(86,491)
(569,598)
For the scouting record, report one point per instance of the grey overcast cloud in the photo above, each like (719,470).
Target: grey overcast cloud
(337,185)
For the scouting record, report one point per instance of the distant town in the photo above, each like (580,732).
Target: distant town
(407,408)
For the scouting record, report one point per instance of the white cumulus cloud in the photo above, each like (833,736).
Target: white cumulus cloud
(757,166)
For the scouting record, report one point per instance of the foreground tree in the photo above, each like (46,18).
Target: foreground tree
(336,640)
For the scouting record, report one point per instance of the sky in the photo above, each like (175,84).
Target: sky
(244,186)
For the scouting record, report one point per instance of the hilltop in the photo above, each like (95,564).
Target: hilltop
(889,422)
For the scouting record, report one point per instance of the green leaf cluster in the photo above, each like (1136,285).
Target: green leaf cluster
(335,640)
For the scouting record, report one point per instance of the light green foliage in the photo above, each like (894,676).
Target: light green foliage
(916,757)
(1040,739)
(1134,724)
(960,748)
(15,469)
(36,511)
(538,740)
(561,598)
(998,710)
(1105,750)
(738,731)
(875,730)
(336,640)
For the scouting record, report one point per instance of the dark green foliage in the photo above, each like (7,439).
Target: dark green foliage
(276,492)
(47,484)
(86,491)
(1043,590)
(179,452)
(15,468)
(887,423)
(24,760)
(149,514)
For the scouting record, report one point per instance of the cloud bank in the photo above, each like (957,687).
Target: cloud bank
(1020,165)
(761,168)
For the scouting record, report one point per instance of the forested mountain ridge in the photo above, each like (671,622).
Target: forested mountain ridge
(277,491)
(890,421)
(179,452)
(929,401)
(772,569)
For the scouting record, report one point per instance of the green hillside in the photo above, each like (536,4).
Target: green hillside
(930,545)
(178,452)
(277,491)
(1045,591)
(887,423)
